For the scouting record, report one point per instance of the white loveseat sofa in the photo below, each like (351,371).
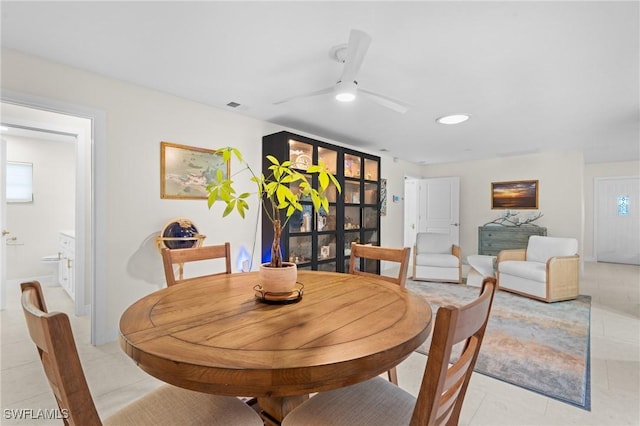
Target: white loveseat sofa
(548,269)
(435,258)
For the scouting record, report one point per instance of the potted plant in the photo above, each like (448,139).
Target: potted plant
(279,203)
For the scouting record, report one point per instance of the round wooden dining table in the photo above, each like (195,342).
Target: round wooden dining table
(215,335)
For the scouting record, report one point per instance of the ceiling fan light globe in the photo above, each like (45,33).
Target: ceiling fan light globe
(345,92)
(345,96)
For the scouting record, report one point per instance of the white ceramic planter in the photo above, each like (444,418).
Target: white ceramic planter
(278,280)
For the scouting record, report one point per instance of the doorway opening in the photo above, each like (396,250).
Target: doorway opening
(46,137)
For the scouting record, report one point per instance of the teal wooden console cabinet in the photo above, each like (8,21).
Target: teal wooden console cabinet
(493,238)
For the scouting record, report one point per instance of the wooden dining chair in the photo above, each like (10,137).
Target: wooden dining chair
(398,255)
(389,254)
(181,256)
(444,385)
(167,405)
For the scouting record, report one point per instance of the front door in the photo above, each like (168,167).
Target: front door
(617,219)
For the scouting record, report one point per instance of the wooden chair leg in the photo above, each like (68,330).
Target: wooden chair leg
(393,376)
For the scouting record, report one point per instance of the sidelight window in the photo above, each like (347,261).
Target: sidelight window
(623,205)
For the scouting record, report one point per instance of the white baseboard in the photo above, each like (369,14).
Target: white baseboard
(45,280)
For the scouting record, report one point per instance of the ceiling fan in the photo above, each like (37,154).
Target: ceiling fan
(346,89)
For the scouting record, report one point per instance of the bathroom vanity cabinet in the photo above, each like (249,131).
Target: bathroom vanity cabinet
(66,275)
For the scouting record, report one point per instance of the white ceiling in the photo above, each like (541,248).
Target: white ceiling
(535,76)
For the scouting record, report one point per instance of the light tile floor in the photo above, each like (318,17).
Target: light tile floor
(615,365)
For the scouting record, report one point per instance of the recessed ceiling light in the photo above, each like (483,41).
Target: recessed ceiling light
(453,119)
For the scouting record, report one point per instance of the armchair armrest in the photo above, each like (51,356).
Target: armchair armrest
(563,277)
(515,254)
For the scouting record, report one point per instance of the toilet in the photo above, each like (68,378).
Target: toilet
(52,263)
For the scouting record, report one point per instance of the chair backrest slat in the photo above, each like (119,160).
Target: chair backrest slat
(181,256)
(398,255)
(433,242)
(51,332)
(444,385)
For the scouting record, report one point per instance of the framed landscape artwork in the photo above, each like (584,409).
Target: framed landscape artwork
(185,171)
(522,194)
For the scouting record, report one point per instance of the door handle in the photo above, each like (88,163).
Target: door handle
(5,232)
(455,224)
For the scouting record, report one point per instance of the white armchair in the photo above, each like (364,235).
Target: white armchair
(436,258)
(547,270)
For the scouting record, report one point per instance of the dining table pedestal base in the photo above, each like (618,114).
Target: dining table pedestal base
(275,408)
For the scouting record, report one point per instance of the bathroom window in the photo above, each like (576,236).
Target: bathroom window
(19,182)
(623,205)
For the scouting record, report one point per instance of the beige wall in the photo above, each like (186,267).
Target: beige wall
(560,177)
(137,119)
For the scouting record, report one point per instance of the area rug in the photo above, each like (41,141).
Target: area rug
(542,347)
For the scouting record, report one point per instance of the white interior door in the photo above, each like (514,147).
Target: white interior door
(410,211)
(617,220)
(3,223)
(431,205)
(440,210)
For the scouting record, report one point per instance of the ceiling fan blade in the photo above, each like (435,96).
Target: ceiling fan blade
(359,42)
(305,95)
(386,101)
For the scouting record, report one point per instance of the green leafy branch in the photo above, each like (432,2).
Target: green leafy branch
(274,191)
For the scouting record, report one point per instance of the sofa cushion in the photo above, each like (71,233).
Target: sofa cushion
(439,260)
(541,249)
(536,271)
(431,242)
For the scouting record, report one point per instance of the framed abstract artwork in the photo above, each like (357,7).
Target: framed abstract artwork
(383,197)
(521,194)
(185,171)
